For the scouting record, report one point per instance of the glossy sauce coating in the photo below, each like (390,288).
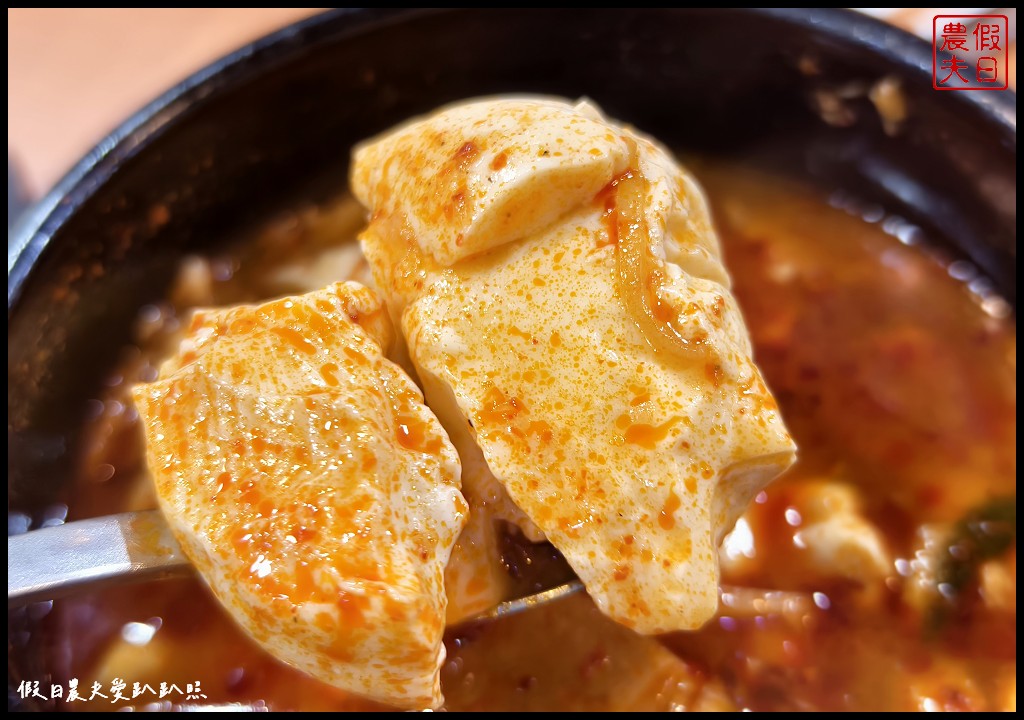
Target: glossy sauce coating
(310,487)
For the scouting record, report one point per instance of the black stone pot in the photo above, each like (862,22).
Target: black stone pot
(274,123)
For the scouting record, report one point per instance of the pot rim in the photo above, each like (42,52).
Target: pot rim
(33,233)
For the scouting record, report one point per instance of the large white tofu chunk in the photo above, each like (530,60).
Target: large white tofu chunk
(559,276)
(311,488)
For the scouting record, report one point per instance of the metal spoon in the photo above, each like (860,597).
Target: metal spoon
(131,547)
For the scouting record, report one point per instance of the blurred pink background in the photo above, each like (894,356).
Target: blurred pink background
(74,74)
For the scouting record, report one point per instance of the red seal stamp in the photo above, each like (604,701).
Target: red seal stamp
(970,52)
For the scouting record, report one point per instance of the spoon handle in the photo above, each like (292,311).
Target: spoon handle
(56,561)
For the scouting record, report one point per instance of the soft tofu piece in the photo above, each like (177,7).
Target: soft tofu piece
(476,578)
(479,175)
(560,277)
(311,487)
(839,540)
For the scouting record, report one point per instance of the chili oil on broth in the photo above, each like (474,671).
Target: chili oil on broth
(897,384)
